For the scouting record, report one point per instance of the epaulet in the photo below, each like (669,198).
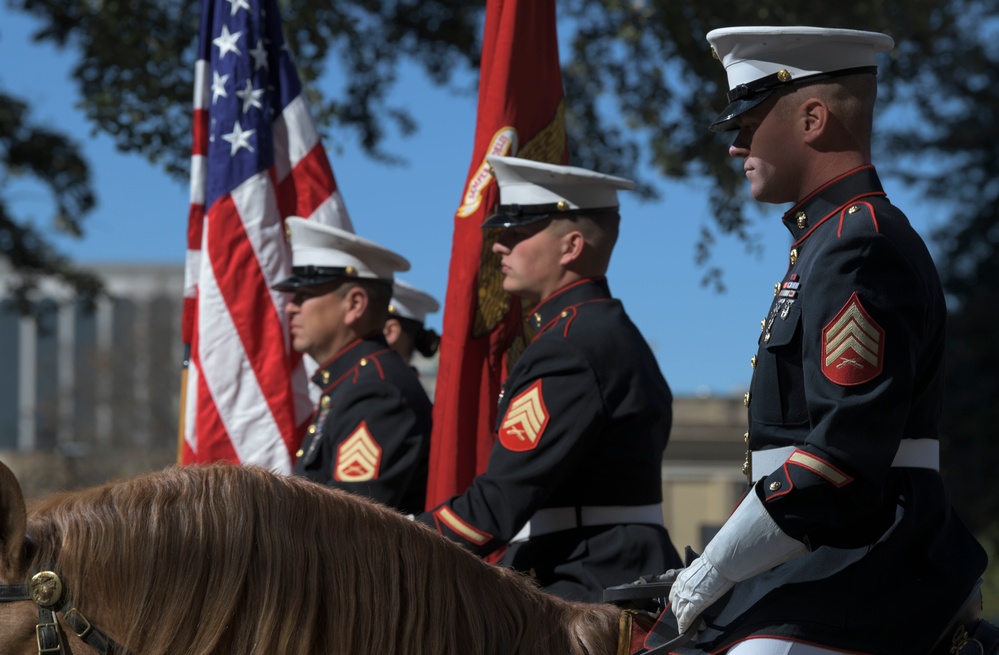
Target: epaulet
(857,215)
(369,365)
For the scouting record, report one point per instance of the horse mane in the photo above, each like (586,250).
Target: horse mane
(238,560)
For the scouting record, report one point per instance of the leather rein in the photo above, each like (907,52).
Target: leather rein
(45,590)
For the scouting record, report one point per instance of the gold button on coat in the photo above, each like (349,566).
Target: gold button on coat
(794,256)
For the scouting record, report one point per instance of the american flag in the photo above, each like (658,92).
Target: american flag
(256,159)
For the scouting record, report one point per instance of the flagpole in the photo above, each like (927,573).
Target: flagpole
(183,404)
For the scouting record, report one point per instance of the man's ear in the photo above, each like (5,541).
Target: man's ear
(356,301)
(815,118)
(573,244)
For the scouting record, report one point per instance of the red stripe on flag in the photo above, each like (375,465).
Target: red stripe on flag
(189,318)
(309,185)
(199,130)
(213,443)
(247,295)
(195,225)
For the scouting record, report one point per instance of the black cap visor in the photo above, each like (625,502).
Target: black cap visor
(310,276)
(726,120)
(516,215)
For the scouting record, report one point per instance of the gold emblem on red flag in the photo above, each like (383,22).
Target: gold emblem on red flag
(525,421)
(852,345)
(504,143)
(359,457)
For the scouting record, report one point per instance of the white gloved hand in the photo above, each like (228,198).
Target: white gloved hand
(749,543)
(694,589)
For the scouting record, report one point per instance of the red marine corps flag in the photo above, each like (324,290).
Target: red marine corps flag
(520,114)
(256,159)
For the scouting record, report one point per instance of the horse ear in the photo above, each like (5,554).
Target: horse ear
(13,521)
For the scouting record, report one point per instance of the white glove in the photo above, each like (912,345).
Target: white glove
(749,543)
(696,588)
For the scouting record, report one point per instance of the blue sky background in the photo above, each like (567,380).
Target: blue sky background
(703,339)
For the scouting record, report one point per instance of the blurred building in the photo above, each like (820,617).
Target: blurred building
(92,392)
(76,376)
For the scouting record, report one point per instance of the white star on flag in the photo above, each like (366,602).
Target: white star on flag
(250,96)
(239,138)
(227,42)
(237,5)
(259,54)
(218,86)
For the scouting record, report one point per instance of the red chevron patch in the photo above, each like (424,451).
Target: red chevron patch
(525,421)
(852,346)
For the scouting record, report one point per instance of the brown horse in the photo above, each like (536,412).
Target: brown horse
(236,560)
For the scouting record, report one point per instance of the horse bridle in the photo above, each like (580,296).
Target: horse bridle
(45,589)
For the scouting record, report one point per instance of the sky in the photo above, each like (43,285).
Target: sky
(703,339)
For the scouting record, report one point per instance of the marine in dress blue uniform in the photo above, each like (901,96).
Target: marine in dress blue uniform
(406,330)
(846,538)
(370,432)
(573,484)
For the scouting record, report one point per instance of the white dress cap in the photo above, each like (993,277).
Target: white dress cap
(531,191)
(322,253)
(759,60)
(410,302)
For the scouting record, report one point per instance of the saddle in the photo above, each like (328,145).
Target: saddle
(967,633)
(649,628)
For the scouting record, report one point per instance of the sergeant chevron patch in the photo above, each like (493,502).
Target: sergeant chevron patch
(852,346)
(359,457)
(525,421)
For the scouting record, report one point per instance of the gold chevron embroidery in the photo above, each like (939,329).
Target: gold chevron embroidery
(853,330)
(819,467)
(525,421)
(456,524)
(852,345)
(359,457)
